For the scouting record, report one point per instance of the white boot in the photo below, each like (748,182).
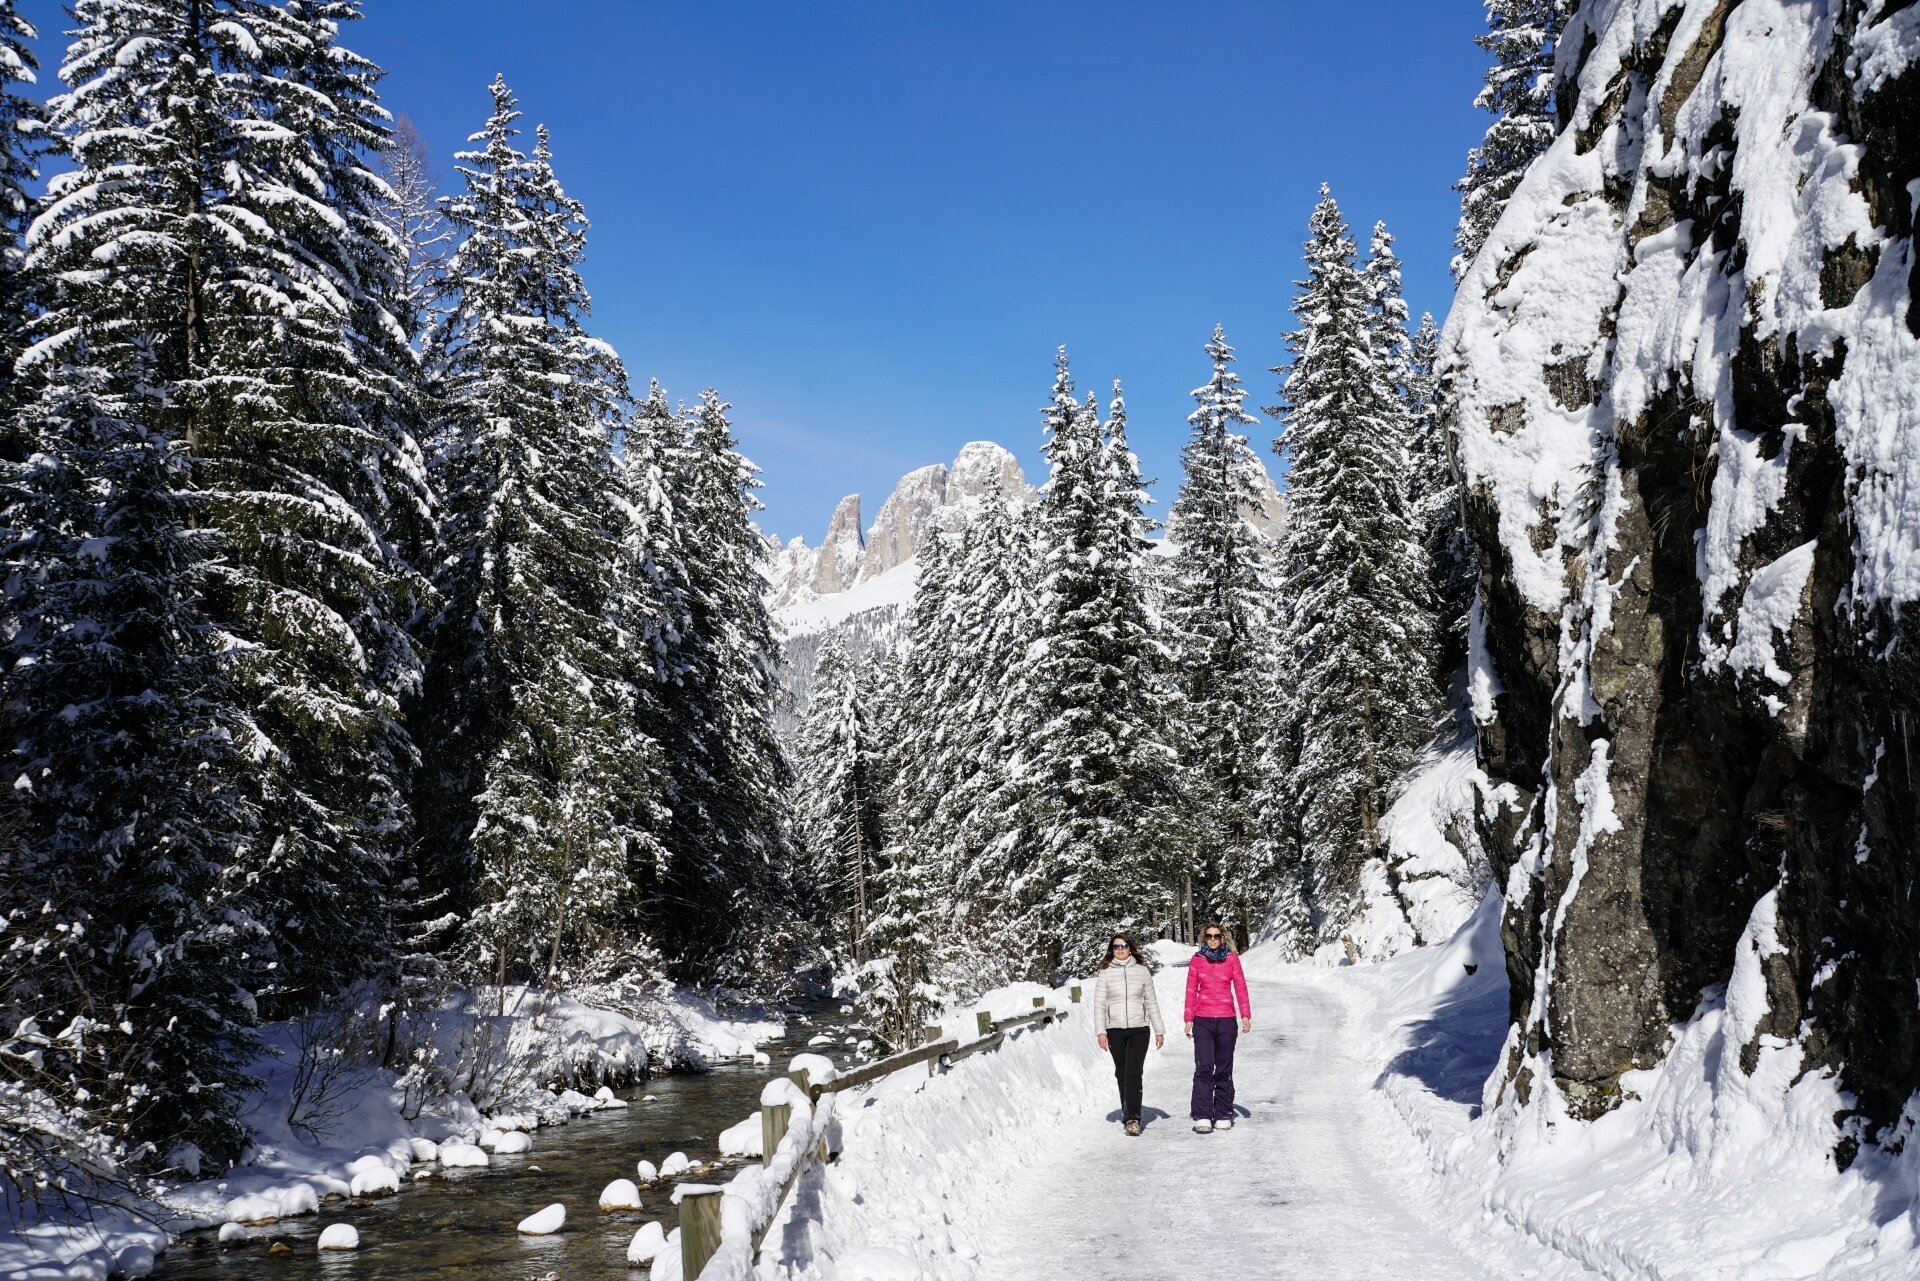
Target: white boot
(1203,1126)
(1224,1123)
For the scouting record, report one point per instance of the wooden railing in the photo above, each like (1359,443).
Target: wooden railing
(700,1207)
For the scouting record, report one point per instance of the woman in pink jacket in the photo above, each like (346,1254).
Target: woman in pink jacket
(1214,983)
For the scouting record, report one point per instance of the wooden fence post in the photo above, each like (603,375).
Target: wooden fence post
(774,1118)
(802,1078)
(699,1229)
(1074,993)
(1039,1001)
(984,1021)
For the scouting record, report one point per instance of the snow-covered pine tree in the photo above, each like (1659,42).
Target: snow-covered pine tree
(1358,634)
(838,806)
(528,719)
(1451,570)
(1217,611)
(135,797)
(991,864)
(1100,773)
(217,164)
(728,896)
(1519,91)
(898,991)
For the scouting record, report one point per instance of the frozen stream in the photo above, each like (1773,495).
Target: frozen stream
(462,1222)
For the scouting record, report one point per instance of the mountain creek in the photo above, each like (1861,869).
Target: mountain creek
(467,1219)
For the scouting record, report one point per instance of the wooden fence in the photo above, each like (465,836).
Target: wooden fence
(700,1217)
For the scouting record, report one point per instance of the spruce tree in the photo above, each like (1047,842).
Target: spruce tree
(1358,634)
(1452,571)
(838,811)
(1521,36)
(728,893)
(224,396)
(991,863)
(528,714)
(1217,613)
(135,801)
(1100,769)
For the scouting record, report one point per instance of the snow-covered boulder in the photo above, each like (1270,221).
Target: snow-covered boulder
(455,1155)
(544,1222)
(273,1203)
(676,1163)
(134,1260)
(376,1180)
(648,1242)
(234,1234)
(339,1236)
(621,1194)
(647,1171)
(424,1149)
(513,1143)
(762,1059)
(744,1139)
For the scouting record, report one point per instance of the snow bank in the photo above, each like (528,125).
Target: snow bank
(917,1182)
(1705,1172)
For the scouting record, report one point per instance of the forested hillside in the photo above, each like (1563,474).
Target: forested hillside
(366,639)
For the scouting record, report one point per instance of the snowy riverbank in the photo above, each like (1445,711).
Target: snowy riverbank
(509,1063)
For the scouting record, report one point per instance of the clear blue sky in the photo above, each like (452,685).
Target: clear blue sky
(870,223)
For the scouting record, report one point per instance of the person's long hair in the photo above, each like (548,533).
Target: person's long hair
(1133,949)
(1225,933)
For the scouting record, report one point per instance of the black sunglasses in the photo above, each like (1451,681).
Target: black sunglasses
(1122,947)
(1215,934)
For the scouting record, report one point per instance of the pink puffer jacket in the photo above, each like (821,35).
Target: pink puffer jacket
(1212,987)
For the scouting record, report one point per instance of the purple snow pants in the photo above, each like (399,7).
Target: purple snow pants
(1213,1041)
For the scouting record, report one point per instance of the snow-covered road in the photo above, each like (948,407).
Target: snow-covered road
(1291,1192)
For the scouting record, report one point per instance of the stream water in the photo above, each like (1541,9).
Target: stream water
(465,1221)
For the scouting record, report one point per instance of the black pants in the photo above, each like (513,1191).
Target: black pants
(1128,1045)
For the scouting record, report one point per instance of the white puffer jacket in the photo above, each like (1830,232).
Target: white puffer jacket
(1123,996)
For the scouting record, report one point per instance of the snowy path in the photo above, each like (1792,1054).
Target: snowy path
(1290,1192)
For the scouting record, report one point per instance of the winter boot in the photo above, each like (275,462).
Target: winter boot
(1203,1126)
(1133,1129)
(1224,1123)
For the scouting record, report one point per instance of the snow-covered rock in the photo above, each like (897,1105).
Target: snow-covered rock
(283,1201)
(136,1260)
(621,1194)
(839,559)
(544,1222)
(423,1149)
(513,1143)
(455,1155)
(676,1163)
(232,1233)
(339,1236)
(646,1171)
(744,1139)
(376,1179)
(648,1242)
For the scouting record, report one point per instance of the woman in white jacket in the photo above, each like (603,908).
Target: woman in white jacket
(1125,1007)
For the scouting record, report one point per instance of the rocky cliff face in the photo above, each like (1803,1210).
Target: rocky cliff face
(1686,378)
(846,557)
(838,561)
